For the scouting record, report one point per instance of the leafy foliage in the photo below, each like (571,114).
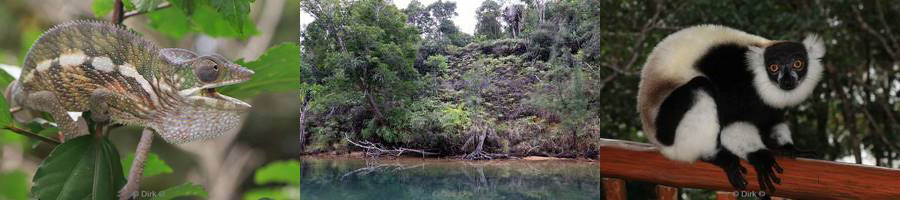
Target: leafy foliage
(281,68)
(235,11)
(279,172)
(82,168)
(183,190)
(373,56)
(15,185)
(488,27)
(152,167)
(220,18)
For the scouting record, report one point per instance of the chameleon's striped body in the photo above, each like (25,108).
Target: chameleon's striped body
(74,60)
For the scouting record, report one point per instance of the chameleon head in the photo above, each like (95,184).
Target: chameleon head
(199,76)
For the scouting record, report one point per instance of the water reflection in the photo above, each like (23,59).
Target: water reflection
(343,178)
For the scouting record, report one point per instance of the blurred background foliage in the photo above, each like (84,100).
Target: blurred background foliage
(537,77)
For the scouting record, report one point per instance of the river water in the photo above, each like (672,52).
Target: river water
(410,178)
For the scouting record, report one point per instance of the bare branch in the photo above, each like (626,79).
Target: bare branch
(31,135)
(375,150)
(137,12)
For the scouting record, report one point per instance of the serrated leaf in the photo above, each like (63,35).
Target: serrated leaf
(214,24)
(102,7)
(171,22)
(129,5)
(281,68)
(186,189)
(14,185)
(86,167)
(186,6)
(279,172)
(152,167)
(147,5)
(235,11)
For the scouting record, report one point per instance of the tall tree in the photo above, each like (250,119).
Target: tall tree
(488,27)
(366,49)
(419,16)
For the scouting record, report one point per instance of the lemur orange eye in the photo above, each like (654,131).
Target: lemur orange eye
(798,65)
(773,68)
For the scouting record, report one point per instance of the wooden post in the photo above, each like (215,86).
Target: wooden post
(666,193)
(802,178)
(614,188)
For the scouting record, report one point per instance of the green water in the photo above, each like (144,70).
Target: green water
(342,178)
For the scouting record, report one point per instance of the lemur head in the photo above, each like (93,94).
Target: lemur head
(199,76)
(786,72)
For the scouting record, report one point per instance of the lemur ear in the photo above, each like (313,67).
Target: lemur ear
(815,47)
(176,55)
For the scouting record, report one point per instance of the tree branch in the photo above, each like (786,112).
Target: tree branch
(31,135)
(138,12)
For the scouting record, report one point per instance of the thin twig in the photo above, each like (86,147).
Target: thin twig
(140,12)
(31,135)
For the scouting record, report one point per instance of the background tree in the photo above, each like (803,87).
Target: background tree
(488,27)
(373,56)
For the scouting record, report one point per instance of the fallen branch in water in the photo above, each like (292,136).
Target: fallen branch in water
(372,167)
(375,150)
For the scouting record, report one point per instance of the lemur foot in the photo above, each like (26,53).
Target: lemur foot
(731,164)
(764,163)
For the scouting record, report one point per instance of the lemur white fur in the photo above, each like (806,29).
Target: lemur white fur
(741,138)
(695,136)
(782,134)
(776,97)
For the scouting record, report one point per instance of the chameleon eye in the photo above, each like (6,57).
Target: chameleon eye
(798,65)
(773,68)
(207,71)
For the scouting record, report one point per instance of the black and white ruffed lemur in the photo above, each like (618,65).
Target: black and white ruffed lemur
(717,94)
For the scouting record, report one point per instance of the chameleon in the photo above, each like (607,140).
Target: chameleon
(120,77)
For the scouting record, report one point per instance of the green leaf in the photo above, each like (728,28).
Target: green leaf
(280,172)
(102,7)
(154,166)
(129,6)
(6,136)
(148,5)
(214,24)
(186,6)
(171,22)
(5,116)
(281,68)
(266,193)
(235,11)
(14,185)
(186,189)
(30,34)
(86,167)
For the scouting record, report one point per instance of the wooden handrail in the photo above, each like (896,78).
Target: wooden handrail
(802,178)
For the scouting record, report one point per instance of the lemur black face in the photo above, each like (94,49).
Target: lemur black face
(786,64)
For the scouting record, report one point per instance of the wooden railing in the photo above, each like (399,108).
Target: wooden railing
(802,178)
